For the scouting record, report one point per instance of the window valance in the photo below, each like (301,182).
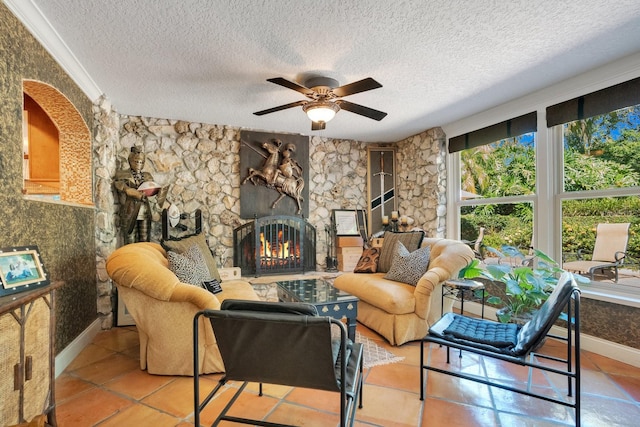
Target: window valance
(592,104)
(507,129)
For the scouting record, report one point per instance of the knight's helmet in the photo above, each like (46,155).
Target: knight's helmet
(137,152)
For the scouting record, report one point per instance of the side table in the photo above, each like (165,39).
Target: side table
(328,300)
(458,288)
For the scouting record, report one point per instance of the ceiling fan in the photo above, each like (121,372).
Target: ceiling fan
(324,99)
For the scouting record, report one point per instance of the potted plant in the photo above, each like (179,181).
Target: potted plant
(528,281)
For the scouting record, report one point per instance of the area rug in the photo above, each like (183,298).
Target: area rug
(374,355)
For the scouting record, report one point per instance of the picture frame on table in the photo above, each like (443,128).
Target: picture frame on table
(350,222)
(21,269)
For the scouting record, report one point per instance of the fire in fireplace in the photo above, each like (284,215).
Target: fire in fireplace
(275,245)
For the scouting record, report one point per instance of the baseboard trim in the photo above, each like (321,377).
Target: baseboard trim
(70,352)
(612,350)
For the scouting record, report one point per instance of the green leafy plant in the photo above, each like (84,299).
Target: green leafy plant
(472,270)
(528,280)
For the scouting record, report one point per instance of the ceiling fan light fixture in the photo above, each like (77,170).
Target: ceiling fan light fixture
(321,111)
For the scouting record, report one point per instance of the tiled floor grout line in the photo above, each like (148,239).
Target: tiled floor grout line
(494,407)
(620,389)
(473,404)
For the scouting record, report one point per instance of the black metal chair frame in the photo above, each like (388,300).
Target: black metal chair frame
(280,343)
(526,356)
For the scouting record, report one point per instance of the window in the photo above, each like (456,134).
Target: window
(497,182)
(601,178)
(602,152)
(584,169)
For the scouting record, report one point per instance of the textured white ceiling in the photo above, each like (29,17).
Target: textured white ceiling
(438,60)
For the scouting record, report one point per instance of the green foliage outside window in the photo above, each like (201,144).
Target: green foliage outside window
(601,152)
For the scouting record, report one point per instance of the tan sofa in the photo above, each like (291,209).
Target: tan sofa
(401,312)
(163,309)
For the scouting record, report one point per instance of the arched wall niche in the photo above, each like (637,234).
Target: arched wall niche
(75,142)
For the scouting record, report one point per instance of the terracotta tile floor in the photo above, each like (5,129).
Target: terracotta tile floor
(104,386)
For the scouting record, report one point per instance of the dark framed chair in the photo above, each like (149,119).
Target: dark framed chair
(281,343)
(517,344)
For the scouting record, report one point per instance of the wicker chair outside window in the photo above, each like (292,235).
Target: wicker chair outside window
(609,251)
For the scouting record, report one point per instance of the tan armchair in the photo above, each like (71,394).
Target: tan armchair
(401,312)
(164,308)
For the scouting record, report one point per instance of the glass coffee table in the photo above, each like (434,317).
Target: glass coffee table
(328,300)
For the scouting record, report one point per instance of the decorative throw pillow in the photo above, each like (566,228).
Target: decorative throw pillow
(408,267)
(180,245)
(410,240)
(189,266)
(368,262)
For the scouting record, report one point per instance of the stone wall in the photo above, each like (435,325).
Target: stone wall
(422,180)
(201,164)
(105,142)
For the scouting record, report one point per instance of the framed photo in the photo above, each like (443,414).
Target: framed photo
(21,270)
(350,222)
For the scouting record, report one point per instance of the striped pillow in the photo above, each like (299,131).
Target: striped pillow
(411,240)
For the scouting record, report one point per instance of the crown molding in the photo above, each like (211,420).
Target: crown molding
(38,25)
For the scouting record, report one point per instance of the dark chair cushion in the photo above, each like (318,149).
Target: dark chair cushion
(483,331)
(459,329)
(507,338)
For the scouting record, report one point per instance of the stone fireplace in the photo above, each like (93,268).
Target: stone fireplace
(201,163)
(275,245)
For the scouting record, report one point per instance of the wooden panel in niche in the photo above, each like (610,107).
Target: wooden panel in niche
(44,144)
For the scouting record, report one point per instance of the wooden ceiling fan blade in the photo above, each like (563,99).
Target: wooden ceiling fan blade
(281,107)
(292,85)
(356,87)
(362,110)
(318,125)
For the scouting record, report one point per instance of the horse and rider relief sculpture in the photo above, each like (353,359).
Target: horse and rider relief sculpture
(280,171)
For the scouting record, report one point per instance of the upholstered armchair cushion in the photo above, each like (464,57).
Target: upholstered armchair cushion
(163,309)
(401,312)
(144,266)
